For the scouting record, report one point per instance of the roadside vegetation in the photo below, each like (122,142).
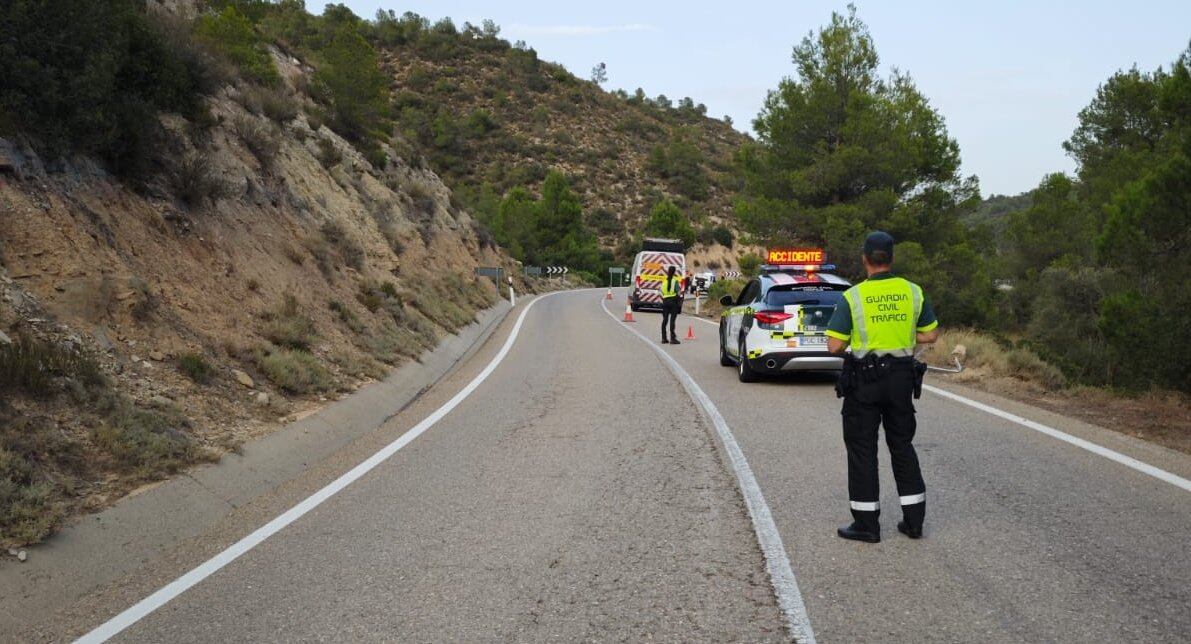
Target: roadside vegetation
(44,471)
(1090,272)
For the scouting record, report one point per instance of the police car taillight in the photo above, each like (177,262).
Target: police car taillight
(771,318)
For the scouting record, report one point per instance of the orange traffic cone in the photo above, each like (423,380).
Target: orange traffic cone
(628,313)
(609,295)
(690,332)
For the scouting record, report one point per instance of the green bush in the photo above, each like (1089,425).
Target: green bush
(353,84)
(232,35)
(295,371)
(153,443)
(722,236)
(196,367)
(27,510)
(666,220)
(90,77)
(749,264)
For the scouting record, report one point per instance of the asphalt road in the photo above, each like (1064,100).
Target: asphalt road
(580,494)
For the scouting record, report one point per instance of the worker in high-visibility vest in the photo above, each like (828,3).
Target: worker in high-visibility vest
(671,303)
(882,319)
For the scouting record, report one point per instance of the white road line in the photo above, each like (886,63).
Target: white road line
(1127,461)
(180,585)
(785,585)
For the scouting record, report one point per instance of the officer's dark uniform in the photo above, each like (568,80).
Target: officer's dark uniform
(880,318)
(671,305)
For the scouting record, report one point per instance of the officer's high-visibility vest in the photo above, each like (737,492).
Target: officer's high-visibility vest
(670,287)
(884,316)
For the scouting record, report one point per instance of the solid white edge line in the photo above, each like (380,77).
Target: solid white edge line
(781,575)
(180,585)
(1127,461)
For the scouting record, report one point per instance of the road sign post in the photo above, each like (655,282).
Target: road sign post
(614,270)
(496,273)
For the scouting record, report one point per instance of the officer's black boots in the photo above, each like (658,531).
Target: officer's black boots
(904,528)
(674,340)
(857,532)
(664,340)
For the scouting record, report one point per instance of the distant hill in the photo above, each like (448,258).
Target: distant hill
(995,210)
(489,117)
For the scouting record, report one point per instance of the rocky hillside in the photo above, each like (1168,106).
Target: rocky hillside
(261,265)
(501,118)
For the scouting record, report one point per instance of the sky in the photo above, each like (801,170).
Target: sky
(1008,76)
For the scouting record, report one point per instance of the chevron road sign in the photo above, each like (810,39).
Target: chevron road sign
(728,274)
(557,270)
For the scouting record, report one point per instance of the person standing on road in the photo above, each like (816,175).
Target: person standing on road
(671,304)
(883,319)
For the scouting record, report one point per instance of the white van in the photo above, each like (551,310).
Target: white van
(649,271)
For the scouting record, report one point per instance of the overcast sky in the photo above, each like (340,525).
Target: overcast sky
(1008,76)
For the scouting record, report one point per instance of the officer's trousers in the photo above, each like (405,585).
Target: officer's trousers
(671,307)
(889,399)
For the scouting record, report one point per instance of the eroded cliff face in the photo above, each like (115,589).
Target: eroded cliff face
(266,267)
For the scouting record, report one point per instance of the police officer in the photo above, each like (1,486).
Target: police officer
(671,303)
(883,319)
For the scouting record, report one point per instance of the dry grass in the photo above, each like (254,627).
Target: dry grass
(295,371)
(986,357)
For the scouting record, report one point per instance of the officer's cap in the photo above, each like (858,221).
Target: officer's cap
(878,246)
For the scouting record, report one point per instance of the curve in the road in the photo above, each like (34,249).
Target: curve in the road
(781,574)
(136,612)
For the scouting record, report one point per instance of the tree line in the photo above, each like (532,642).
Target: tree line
(1092,273)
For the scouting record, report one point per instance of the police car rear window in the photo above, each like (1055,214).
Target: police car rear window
(822,295)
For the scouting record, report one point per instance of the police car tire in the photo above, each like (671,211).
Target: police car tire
(725,359)
(635,307)
(744,371)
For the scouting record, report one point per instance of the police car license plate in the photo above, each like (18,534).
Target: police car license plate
(807,342)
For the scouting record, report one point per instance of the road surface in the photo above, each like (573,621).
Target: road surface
(580,492)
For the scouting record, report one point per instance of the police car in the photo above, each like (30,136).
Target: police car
(778,321)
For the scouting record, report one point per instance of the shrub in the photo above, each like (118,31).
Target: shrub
(232,35)
(263,140)
(193,180)
(350,250)
(31,365)
(347,316)
(328,155)
(98,91)
(320,250)
(27,511)
(722,236)
(749,263)
(295,371)
(288,326)
(151,442)
(422,197)
(196,367)
(274,103)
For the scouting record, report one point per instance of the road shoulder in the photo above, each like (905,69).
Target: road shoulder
(146,526)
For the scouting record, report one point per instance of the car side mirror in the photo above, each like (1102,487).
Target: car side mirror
(726,300)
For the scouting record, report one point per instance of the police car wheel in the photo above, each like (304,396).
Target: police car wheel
(725,359)
(744,371)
